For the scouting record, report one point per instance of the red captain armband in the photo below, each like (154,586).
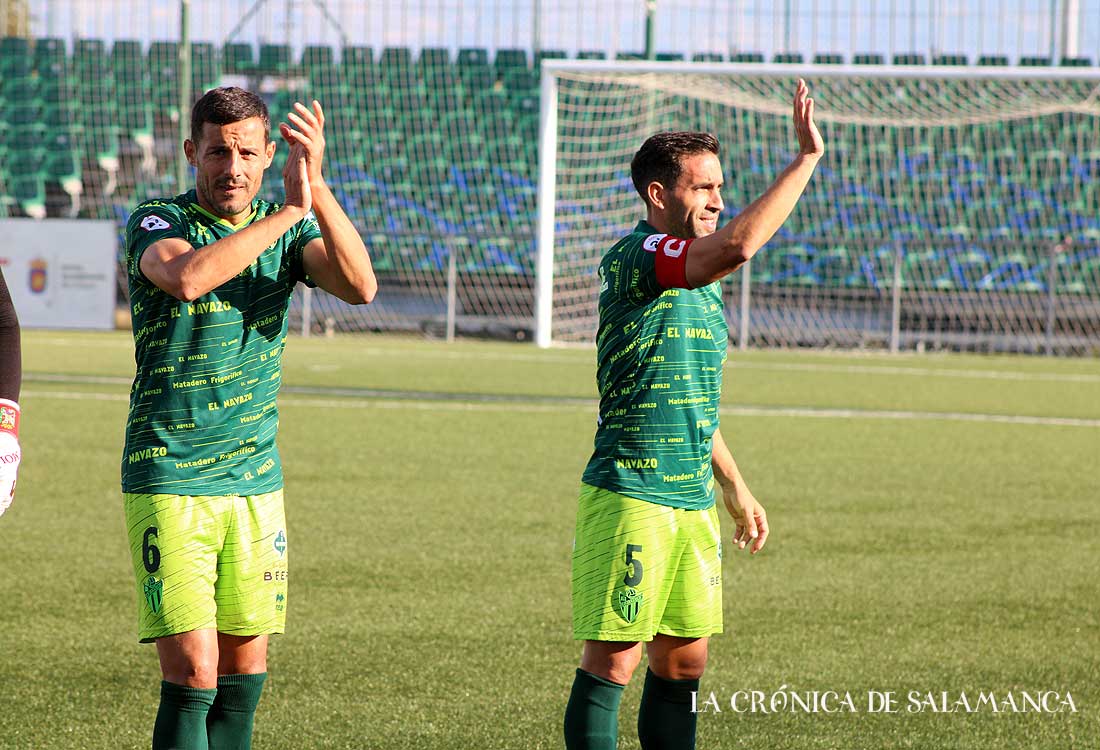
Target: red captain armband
(671,259)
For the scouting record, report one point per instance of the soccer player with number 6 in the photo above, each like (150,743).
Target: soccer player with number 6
(211,272)
(647,555)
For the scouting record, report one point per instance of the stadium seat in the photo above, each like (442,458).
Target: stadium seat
(955,59)
(433,58)
(519,83)
(357,56)
(549,54)
(396,58)
(910,58)
(788,58)
(508,59)
(237,58)
(591,54)
(15,46)
(629,55)
(747,57)
(1034,61)
(707,57)
(669,57)
(828,58)
(992,60)
(85,50)
(473,56)
(163,57)
(275,59)
(49,52)
(1075,62)
(127,55)
(205,72)
(872,58)
(317,55)
(29,192)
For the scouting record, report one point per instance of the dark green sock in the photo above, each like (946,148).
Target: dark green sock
(665,719)
(229,723)
(592,716)
(181,718)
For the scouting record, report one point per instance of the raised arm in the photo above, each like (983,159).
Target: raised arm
(338,262)
(187,274)
(719,254)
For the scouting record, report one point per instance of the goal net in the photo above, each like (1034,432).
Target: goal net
(954,208)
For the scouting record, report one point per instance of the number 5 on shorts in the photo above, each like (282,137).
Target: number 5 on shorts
(634,575)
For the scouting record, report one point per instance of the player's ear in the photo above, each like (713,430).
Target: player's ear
(190,149)
(655,191)
(271,146)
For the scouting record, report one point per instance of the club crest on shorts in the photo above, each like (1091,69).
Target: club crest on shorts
(280,542)
(628,602)
(154,588)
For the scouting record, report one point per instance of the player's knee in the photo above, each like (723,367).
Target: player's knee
(194,672)
(620,672)
(613,663)
(683,665)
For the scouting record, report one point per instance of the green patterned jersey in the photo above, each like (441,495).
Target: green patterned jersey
(202,407)
(660,352)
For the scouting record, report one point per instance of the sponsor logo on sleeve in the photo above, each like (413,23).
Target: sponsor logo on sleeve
(153,223)
(652,241)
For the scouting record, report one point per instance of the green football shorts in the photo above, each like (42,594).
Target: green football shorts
(640,569)
(208,562)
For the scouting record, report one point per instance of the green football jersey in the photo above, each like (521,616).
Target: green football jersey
(660,353)
(202,407)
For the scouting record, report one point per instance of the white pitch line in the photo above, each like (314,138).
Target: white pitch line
(919,372)
(405,403)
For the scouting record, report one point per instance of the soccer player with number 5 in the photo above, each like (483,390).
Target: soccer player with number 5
(211,273)
(647,556)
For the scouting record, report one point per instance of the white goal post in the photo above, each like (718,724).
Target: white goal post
(955,207)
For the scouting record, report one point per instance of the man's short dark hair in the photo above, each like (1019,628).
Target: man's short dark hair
(658,160)
(227,105)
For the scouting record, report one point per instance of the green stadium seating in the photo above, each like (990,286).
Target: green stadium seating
(472,57)
(1035,61)
(396,57)
(357,56)
(706,57)
(747,57)
(508,59)
(238,58)
(127,54)
(591,54)
(50,53)
(954,59)
(788,58)
(549,54)
(274,59)
(828,58)
(910,58)
(992,60)
(1075,62)
(317,55)
(434,58)
(868,59)
(670,57)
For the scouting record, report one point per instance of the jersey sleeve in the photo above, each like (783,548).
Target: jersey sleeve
(306,231)
(149,223)
(648,265)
